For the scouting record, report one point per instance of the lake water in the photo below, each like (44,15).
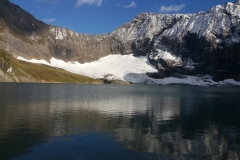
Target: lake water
(67,121)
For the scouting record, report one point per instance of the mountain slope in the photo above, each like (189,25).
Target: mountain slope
(210,40)
(25,36)
(178,45)
(12,70)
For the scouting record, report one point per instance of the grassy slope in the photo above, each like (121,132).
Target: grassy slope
(28,72)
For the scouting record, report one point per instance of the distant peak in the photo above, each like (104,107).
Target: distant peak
(237,2)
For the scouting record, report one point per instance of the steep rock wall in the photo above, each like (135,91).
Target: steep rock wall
(200,43)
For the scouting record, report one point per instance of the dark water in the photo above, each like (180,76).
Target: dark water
(60,121)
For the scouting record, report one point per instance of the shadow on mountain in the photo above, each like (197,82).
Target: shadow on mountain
(140,78)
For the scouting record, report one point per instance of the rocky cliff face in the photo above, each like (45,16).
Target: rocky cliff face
(23,35)
(177,44)
(200,43)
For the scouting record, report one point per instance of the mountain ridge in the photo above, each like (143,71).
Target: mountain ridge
(203,37)
(202,43)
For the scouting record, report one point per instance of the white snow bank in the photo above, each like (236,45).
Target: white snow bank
(166,56)
(114,67)
(161,52)
(34,61)
(127,68)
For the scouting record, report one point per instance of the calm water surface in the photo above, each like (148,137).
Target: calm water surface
(63,121)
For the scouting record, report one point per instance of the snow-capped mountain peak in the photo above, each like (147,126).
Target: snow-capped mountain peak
(210,40)
(237,2)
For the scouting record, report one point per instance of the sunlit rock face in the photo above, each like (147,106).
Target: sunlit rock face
(23,35)
(200,43)
(210,40)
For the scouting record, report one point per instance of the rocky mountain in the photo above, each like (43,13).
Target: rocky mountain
(13,70)
(23,35)
(178,45)
(200,43)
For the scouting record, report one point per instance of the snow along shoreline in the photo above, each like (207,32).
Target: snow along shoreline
(127,68)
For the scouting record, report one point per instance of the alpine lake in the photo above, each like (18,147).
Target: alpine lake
(118,122)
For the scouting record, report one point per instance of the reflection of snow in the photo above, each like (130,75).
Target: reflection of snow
(97,104)
(110,106)
(117,103)
(193,80)
(170,108)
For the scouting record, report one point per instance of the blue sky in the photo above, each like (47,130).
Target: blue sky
(103,16)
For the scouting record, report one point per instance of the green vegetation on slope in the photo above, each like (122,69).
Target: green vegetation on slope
(1,38)
(28,72)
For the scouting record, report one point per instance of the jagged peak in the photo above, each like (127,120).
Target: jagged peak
(216,8)
(231,8)
(237,2)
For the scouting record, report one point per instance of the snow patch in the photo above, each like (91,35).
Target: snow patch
(120,67)
(34,61)
(10,70)
(60,33)
(128,68)
(161,52)
(166,55)
(189,64)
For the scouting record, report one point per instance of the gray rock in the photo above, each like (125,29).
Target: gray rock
(210,39)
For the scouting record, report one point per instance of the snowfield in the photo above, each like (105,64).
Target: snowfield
(112,67)
(127,68)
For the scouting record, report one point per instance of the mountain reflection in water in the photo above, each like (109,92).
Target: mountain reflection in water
(172,121)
